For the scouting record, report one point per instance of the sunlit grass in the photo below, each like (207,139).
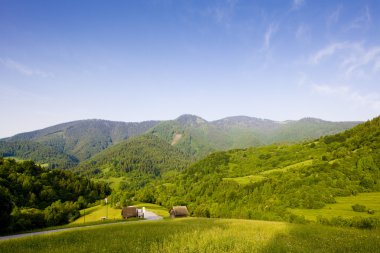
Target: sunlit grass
(96,213)
(246,180)
(290,167)
(159,210)
(343,207)
(201,235)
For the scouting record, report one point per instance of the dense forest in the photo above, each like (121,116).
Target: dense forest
(50,156)
(32,196)
(261,183)
(145,154)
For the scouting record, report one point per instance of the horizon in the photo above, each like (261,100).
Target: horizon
(155,59)
(185,114)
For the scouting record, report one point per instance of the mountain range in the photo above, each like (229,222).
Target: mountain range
(67,144)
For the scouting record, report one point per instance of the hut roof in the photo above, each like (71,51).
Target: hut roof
(180,210)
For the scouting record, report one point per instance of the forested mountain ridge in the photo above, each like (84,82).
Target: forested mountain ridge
(38,152)
(65,145)
(145,154)
(82,139)
(199,137)
(263,182)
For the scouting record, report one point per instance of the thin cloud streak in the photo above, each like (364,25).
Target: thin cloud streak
(334,16)
(297,4)
(269,33)
(357,60)
(23,69)
(362,21)
(368,100)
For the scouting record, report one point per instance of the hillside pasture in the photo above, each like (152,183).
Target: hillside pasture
(246,180)
(343,207)
(200,235)
(289,167)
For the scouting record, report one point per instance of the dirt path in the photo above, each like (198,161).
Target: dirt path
(147,217)
(176,138)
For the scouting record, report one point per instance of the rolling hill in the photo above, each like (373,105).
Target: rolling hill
(67,144)
(82,139)
(267,182)
(145,154)
(199,137)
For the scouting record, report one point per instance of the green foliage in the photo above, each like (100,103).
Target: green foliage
(59,213)
(359,208)
(65,144)
(5,206)
(144,155)
(28,189)
(38,152)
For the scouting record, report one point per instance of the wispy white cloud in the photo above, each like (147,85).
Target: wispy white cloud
(356,60)
(331,49)
(23,69)
(334,16)
(297,4)
(223,12)
(269,33)
(303,33)
(362,21)
(371,100)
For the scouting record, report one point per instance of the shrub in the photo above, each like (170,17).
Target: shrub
(358,208)
(27,218)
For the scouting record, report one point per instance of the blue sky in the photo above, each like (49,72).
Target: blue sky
(157,59)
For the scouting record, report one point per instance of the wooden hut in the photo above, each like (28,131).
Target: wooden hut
(179,211)
(129,211)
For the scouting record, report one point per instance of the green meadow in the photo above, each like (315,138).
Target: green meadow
(343,207)
(95,213)
(200,235)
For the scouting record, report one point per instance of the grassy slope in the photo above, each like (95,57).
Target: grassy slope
(200,235)
(95,213)
(343,207)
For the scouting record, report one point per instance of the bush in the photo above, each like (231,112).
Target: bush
(359,208)
(27,219)
(60,213)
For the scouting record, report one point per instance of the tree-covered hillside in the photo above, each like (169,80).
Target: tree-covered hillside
(32,196)
(199,137)
(263,182)
(82,139)
(145,154)
(38,152)
(64,145)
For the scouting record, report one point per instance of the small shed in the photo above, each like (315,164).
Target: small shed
(129,211)
(178,211)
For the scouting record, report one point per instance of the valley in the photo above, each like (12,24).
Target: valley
(306,187)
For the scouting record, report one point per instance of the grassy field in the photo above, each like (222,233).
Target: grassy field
(113,181)
(290,167)
(17,159)
(343,207)
(246,180)
(97,212)
(258,178)
(201,235)
(159,210)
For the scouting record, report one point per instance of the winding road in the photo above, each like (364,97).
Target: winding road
(148,216)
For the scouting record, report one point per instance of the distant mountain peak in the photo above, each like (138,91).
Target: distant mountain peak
(190,119)
(311,119)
